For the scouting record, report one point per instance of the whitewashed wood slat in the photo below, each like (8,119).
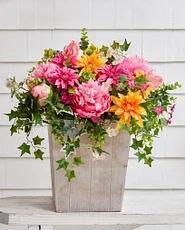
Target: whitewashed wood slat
(140,210)
(40,227)
(100,183)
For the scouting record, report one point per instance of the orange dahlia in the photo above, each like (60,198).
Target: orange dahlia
(128,106)
(90,63)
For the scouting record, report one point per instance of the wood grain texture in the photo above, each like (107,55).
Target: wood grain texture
(60,185)
(140,210)
(99,184)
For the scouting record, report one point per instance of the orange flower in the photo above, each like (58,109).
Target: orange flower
(90,63)
(127,107)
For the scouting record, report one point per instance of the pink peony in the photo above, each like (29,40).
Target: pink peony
(110,72)
(64,78)
(91,100)
(65,97)
(135,64)
(72,49)
(44,70)
(154,81)
(41,91)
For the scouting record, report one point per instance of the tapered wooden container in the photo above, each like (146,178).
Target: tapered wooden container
(99,184)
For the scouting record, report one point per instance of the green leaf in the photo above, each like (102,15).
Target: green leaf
(78,161)
(141,156)
(13,129)
(38,154)
(136,144)
(115,45)
(77,143)
(125,46)
(11,115)
(156,131)
(148,161)
(140,80)
(91,49)
(104,49)
(62,163)
(122,78)
(163,121)
(148,150)
(37,140)
(24,148)
(70,174)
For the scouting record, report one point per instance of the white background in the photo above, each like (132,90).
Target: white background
(157,31)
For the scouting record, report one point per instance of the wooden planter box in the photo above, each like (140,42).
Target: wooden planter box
(99,185)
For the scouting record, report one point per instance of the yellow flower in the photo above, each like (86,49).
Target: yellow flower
(127,107)
(147,92)
(90,63)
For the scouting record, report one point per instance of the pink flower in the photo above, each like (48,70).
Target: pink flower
(132,84)
(110,72)
(144,86)
(59,60)
(169,121)
(41,91)
(173,108)
(65,97)
(158,110)
(135,63)
(91,100)
(72,49)
(44,70)
(154,81)
(64,78)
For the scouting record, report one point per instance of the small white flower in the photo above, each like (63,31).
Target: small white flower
(112,132)
(97,156)
(107,84)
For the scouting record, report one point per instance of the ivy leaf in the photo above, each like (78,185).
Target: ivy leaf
(148,161)
(104,49)
(62,163)
(24,148)
(11,115)
(13,129)
(38,154)
(148,150)
(141,156)
(136,144)
(78,161)
(125,46)
(37,140)
(115,45)
(156,131)
(70,174)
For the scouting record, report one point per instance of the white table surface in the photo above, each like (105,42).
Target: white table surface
(140,210)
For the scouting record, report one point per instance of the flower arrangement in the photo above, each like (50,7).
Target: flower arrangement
(95,91)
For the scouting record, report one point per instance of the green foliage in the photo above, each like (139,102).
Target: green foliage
(84,40)
(70,174)
(38,154)
(86,76)
(104,49)
(25,148)
(141,80)
(78,161)
(125,46)
(37,140)
(62,163)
